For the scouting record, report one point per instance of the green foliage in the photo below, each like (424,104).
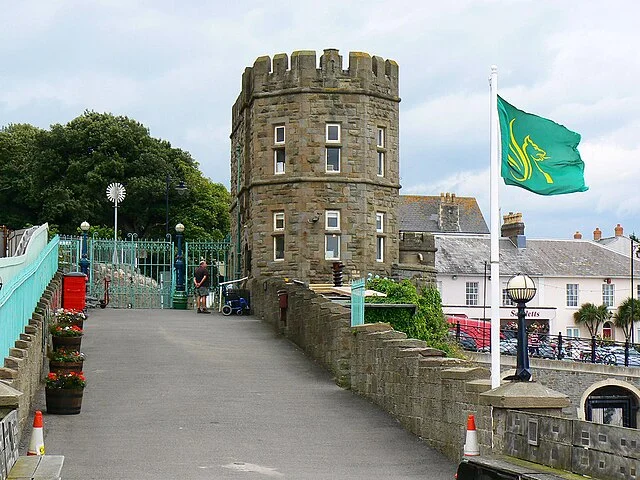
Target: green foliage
(428,323)
(592,317)
(623,317)
(60,176)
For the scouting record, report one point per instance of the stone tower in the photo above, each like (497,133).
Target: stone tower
(314,167)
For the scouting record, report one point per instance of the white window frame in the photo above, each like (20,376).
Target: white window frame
(380,156)
(379,222)
(326,136)
(278,216)
(332,214)
(379,248)
(275,135)
(572,298)
(573,332)
(381,138)
(327,256)
(609,297)
(471,290)
(506,301)
(275,161)
(326,157)
(276,238)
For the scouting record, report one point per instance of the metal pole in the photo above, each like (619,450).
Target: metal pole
(523,372)
(632,313)
(166,197)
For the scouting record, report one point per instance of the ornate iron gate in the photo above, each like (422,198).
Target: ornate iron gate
(136,273)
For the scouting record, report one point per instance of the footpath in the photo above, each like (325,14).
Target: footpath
(176,395)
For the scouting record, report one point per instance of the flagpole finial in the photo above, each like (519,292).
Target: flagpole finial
(494,68)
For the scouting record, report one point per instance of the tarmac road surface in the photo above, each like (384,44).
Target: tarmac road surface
(173,394)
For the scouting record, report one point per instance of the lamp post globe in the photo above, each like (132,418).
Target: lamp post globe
(84,261)
(521,289)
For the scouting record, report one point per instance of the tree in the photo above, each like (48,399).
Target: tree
(60,176)
(622,318)
(592,317)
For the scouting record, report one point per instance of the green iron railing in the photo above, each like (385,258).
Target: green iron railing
(21,294)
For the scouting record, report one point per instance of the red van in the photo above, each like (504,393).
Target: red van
(478,330)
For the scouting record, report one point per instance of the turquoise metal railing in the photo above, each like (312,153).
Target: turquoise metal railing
(20,295)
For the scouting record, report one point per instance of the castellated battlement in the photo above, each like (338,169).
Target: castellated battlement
(365,75)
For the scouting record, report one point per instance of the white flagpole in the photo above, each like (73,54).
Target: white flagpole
(495,231)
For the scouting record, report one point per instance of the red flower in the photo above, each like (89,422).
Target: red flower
(52,376)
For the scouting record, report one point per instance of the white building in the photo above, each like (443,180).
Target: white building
(567,273)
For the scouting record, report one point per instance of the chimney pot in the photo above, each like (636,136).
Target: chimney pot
(577,236)
(619,230)
(597,234)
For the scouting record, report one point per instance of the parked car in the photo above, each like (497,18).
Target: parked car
(466,341)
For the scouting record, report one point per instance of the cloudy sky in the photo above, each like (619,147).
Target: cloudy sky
(176,66)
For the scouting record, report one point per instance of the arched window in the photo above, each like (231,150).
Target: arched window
(607,330)
(612,405)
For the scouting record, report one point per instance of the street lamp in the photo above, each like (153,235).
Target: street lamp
(180,188)
(635,251)
(179,296)
(521,289)
(84,262)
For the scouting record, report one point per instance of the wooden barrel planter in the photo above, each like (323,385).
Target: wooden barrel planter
(70,343)
(64,401)
(64,367)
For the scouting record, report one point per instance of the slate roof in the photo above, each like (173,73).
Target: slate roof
(419,213)
(550,258)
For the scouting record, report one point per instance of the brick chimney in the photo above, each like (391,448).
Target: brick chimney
(577,236)
(597,234)
(449,213)
(619,230)
(513,228)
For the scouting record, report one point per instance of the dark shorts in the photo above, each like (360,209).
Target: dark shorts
(202,291)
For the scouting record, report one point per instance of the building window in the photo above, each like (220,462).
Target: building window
(332,220)
(608,294)
(572,294)
(573,332)
(279,135)
(381,140)
(278,247)
(332,246)
(278,221)
(333,159)
(607,330)
(380,222)
(471,293)
(333,133)
(379,249)
(279,160)
(506,301)
(637,291)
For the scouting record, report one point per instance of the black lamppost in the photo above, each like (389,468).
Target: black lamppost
(180,188)
(635,252)
(521,289)
(84,262)
(179,296)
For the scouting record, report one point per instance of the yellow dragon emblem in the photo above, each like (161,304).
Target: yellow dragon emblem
(520,157)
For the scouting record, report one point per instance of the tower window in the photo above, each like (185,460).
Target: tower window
(279,135)
(333,159)
(333,133)
(332,220)
(279,160)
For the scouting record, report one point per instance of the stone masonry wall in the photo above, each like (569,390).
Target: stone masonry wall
(429,394)
(23,366)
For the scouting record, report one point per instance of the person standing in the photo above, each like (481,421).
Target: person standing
(201,279)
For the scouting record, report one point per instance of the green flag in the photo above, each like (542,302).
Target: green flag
(539,154)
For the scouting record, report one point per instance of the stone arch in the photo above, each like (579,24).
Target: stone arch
(632,389)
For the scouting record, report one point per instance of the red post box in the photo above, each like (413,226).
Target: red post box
(74,291)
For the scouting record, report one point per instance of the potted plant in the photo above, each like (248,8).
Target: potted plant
(69,317)
(64,391)
(66,336)
(65,360)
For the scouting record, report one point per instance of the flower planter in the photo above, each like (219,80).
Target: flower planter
(64,367)
(70,343)
(64,401)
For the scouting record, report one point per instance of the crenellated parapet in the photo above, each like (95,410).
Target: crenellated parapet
(300,74)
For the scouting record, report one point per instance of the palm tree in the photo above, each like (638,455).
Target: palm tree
(592,317)
(622,318)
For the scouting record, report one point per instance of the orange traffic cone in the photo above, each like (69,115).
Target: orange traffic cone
(471,444)
(36,444)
